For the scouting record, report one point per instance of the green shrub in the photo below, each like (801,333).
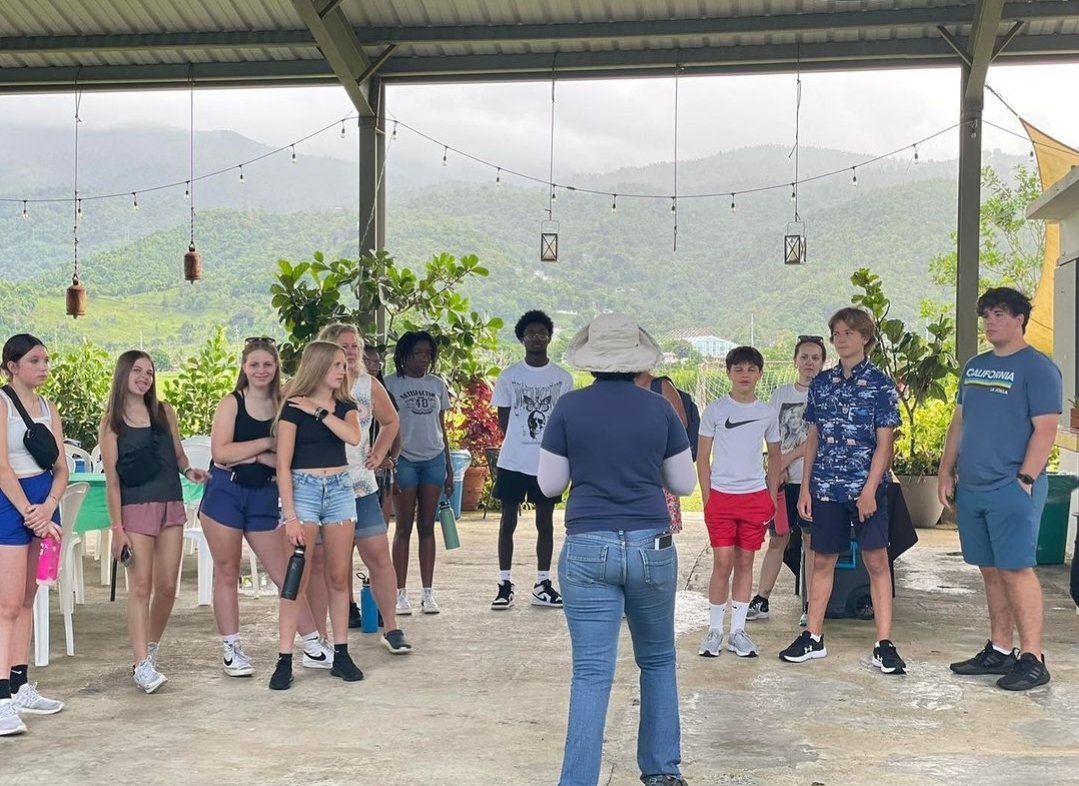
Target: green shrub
(79,385)
(203,380)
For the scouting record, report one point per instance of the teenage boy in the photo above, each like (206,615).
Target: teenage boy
(739,498)
(525,394)
(1002,431)
(790,404)
(852,410)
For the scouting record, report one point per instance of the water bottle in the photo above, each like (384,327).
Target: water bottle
(48,562)
(368,607)
(449,525)
(290,587)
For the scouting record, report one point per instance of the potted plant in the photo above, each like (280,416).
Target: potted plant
(473,426)
(1074,414)
(922,367)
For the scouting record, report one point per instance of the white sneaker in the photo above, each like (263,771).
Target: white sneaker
(741,644)
(148,678)
(712,645)
(29,702)
(317,654)
(153,649)
(404,608)
(10,722)
(236,662)
(428,605)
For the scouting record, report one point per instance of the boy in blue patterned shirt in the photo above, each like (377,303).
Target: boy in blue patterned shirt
(852,411)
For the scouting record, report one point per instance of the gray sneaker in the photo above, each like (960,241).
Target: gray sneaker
(153,649)
(394,641)
(148,678)
(741,644)
(29,702)
(10,722)
(712,645)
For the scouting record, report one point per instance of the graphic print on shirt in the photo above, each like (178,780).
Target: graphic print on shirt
(418,402)
(793,429)
(537,402)
(994,380)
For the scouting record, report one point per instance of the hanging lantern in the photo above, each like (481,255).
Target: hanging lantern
(548,241)
(192,264)
(76,298)
(794,244)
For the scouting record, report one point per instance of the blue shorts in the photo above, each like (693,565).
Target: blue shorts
(240,507)
(999,528)
(323,499)
(431,472)
(369,519)
(13,532)
(831,526)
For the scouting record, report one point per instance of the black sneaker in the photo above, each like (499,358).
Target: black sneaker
(354,618)
(758,608)
(663,780)
(1028,672)
(544,594)
(988,661)
(804,648)
(887,659)
(394,641)
(282,675)
(504,599)
(344,668)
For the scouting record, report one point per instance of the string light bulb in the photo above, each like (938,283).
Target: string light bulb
(78,207)
(25,212)
(393,136)
(854,176)
(733,207)
(134,201)
(187,190)
(342,129)
(794,192)
(1031,154)
(241,174)
(445,152)
(498,177)
(915,154)
(293,149)
(674,204)
(614,203)
(554,194)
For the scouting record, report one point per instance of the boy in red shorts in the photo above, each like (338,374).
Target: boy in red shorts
(739,498)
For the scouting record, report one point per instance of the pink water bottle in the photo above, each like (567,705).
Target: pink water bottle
(48,562)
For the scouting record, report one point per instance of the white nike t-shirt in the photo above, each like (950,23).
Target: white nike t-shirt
(739,432)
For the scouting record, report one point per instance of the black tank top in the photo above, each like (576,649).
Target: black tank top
(247,428)
(165,485)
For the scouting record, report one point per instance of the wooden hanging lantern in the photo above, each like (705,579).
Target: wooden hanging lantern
(76,298)
(192,264)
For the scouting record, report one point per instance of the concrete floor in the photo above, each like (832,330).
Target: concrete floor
(483,698)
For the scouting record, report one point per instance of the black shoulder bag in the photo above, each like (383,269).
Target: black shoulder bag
(38,439)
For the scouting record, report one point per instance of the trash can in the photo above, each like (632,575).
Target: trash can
(460,460)
(1053,531)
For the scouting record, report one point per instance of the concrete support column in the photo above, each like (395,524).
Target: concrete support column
(970,165)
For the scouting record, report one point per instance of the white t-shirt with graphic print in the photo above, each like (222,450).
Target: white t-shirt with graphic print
(530,392)
(790,404)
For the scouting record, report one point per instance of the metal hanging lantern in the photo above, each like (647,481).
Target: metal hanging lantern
(192,264)
(76,298)
(794,244)
(548,241)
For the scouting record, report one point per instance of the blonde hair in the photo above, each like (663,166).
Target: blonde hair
(335,330)
(315,363)
(858,320)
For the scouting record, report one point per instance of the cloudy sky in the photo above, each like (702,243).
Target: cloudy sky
(603,125)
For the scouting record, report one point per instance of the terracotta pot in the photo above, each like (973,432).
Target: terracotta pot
(472,491)
(1075,418)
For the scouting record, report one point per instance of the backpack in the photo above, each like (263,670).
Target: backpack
(693,414)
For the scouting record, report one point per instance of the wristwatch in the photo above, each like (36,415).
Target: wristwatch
(1025,479)
(320,414)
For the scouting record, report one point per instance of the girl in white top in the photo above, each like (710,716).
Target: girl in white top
(29,501)
(790,403)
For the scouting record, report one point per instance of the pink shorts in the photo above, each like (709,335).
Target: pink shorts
(738,519)
(149,518)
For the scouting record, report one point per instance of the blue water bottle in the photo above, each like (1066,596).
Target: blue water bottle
(368,607)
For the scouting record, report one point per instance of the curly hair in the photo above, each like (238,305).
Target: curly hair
(532,318)
(406,344)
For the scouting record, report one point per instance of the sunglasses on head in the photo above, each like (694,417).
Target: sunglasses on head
(264,339)
(814,339)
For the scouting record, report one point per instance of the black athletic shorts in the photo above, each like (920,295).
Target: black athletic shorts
(513,487)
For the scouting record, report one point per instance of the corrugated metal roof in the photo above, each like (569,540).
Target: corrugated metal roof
(130,43)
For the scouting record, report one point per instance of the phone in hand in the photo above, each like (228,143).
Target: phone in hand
(127,556)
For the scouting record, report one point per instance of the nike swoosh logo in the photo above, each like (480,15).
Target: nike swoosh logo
(320,656)
(228,662)
(736,424)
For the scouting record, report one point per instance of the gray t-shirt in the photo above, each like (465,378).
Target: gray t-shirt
(421,400)
(999,396)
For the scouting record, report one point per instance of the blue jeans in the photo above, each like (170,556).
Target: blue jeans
(601,575)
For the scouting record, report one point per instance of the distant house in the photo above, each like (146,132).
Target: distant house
(710,346)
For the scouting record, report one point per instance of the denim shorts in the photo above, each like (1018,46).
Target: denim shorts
(323,499)
(13,530)
(431,472)
(999,528)
(369,520)
(240,507)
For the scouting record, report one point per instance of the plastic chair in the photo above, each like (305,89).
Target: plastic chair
(74,452)
(193,533)
(95,459)
(197,449)
(491,454)
(70,577)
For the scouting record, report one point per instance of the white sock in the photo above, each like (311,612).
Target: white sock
(310,643)
(504,575)
(716,613)
(402,592)
(427,592)
(815,636)
(231,639)
(738,615)
(1001,650)
(542,576)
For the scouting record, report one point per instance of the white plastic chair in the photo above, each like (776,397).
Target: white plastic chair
(95,459)
(70,577)
(198,453)
(74,452)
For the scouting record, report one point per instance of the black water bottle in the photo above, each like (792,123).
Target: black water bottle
(291,586)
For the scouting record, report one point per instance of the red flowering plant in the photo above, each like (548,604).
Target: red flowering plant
(473,422)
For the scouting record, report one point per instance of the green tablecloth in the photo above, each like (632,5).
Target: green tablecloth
(94,513)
